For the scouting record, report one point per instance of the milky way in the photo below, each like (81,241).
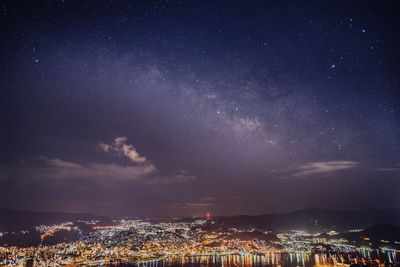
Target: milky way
(160,108)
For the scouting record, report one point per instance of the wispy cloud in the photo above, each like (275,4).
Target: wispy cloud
(394,168)
(198,205)
(56,169)
(120,146)
(191,206)
(104,173)
(201,204)
(325,168)
(208,198)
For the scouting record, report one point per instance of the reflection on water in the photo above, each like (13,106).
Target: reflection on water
(371,258)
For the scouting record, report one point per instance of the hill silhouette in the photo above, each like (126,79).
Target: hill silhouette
(16,220)
(312,220)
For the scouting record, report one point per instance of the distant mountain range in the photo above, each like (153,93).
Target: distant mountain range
(375,234)
(312,220)
(16,220)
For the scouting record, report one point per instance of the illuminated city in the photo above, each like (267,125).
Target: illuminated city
(200,133)
(144,243)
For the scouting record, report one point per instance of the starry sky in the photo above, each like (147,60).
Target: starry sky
(178,108)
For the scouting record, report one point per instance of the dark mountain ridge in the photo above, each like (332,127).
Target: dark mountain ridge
(375,234)
(312,220)
(16,220)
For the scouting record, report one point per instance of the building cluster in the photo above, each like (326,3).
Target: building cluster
(138,241)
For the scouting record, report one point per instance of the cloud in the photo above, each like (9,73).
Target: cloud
(395,168)
(119,146)
(321,167)
(60,163)
(104,147)
(198,205)
(55,169)
(191,206)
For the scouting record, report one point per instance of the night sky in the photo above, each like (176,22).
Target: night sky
(178,108)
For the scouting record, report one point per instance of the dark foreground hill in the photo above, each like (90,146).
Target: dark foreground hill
(312,220)
(376,234)
(16,220)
